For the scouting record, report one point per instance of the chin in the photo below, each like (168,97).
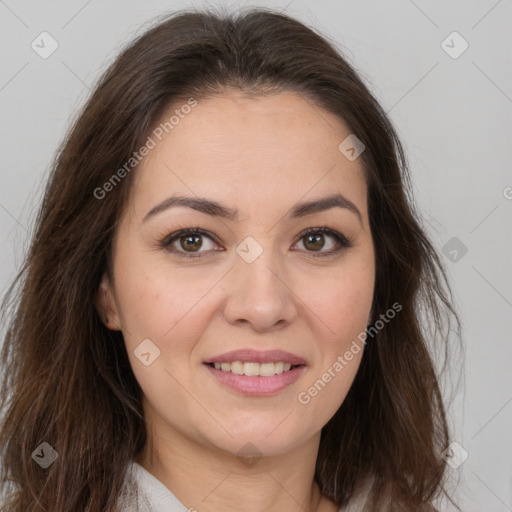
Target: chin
(268,439)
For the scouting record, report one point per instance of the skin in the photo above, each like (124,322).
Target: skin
(260,155)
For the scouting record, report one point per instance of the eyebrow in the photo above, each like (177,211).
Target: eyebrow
(215,209)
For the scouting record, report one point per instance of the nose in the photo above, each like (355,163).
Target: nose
(260,295)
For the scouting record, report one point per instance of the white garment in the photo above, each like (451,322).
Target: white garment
(145,493)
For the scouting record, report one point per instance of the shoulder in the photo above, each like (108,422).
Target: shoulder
(361,502)
(133,497)
(143,492)
(128,499)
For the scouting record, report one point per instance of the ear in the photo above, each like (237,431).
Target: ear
(106,305)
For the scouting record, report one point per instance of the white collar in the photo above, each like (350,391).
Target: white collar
(145,493)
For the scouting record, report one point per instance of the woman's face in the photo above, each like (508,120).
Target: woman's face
(252,281)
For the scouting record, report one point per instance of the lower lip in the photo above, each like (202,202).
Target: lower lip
(257,386)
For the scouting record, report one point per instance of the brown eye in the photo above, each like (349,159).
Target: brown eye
(187,242)
(314,242)
(192,242)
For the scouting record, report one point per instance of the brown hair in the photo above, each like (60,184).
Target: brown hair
(67,379)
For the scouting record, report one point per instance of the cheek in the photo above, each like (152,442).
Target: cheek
(343,304)
(343,313)
(162,305)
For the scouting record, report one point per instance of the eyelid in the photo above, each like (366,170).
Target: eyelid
(342,241)
(169,239)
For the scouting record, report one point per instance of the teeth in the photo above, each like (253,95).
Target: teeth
(254,369)
(236,367)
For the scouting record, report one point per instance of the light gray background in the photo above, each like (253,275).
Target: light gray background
(453,115)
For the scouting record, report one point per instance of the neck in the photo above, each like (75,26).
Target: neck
(207,479)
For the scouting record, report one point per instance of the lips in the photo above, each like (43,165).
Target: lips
(256,356)
(257,386)
(251,385)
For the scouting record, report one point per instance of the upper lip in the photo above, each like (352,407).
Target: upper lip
(257,356)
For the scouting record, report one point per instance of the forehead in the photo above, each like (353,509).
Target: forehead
(245,150)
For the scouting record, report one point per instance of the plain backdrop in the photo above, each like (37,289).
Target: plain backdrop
(451,105)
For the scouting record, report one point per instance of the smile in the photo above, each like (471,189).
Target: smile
(255,384)
(252,369)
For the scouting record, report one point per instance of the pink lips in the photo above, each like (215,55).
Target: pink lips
(257,386)
(255,356)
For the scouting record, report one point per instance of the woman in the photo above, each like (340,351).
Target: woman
(224,305)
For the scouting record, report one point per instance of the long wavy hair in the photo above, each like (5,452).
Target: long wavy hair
(66,378)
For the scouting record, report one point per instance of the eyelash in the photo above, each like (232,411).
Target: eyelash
(342,241)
